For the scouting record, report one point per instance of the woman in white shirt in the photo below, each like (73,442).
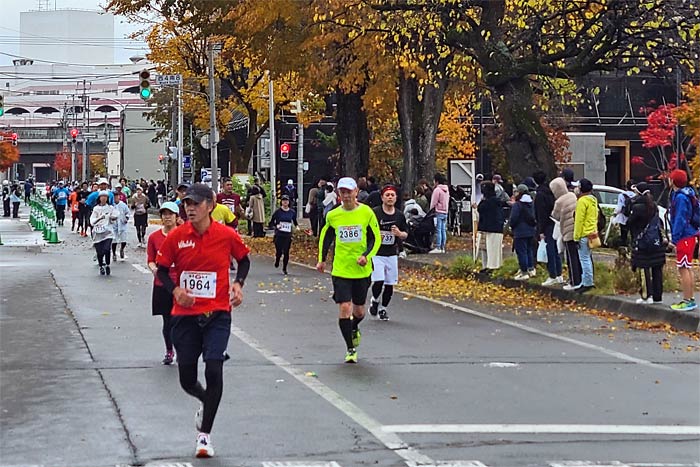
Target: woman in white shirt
(102,217)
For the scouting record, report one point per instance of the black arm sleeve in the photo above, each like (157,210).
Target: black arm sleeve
(242,270)
(327,242)
(163,274)
(370,242)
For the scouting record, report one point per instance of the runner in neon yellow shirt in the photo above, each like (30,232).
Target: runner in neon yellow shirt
(354,229)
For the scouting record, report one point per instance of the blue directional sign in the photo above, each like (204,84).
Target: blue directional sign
(187,161)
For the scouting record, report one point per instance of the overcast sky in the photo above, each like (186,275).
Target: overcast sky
(9,25)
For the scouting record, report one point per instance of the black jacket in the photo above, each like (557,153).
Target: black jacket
(491,215)
(637,221)
(544,204)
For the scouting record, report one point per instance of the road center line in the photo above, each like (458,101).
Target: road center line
(388,439)
(685,430)
(141,268)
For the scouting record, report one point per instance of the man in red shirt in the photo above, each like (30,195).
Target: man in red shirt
(231,200)
(201,251)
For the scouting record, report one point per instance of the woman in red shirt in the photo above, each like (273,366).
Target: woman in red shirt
(162,300)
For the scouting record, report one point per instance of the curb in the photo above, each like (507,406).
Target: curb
(682,320)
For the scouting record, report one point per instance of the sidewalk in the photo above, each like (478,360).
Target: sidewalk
(623,304)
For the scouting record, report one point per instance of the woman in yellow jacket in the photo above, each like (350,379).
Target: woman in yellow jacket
(585,224)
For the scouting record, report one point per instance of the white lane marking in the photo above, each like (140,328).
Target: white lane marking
(449,464)
(586,345)
(172,464)
(587,464)
(390,440)
(272,291)
(501,365)
(300,464)
(685,430)
(141,268)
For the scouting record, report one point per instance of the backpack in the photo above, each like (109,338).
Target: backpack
(627,206)
(651,238)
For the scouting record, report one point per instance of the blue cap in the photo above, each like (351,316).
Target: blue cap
(169,206)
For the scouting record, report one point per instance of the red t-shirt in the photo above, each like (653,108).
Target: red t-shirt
(232,201)
(202,262)
(155,241)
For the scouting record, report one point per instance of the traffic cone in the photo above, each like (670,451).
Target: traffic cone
(47,229)
(53,235)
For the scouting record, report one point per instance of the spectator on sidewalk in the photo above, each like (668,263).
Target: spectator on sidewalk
(491,222)
(544,205)
(684,231)
(563,212)
(568,176)
(585,229)
(524,226)
(16,199)
(620,215)
(500,190)
(440,201)
(257,205)
(647,241)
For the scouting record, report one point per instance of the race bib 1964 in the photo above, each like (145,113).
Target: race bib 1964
(388,238)
(350,233)
(199,284)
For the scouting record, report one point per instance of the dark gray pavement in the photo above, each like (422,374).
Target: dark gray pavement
(81,383)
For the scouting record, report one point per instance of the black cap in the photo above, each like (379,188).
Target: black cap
(199,192)
(182,185)
(585,185)
(284,197)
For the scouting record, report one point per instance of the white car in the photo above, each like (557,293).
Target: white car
(607,198)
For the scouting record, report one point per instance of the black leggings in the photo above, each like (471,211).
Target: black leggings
(103,254)
(654,282)
(282,246)
(211,396)
(386,296)
(114,248)
(83,219)
(572,259)
(141,222)
(167,331)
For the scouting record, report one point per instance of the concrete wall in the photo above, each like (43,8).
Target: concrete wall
(139,154)
(588,155)
(71,29)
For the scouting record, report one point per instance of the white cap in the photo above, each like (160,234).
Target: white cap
(102,180)
(118,185)
(103,193)
(290,182)
(348,183)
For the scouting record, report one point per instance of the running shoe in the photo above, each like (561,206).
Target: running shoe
(351,356)
(383,316)
(114,257)
(521,276)
(169,357)
(685,305)
(532,272)
(198,416)
(102,270)
(572,287)
(356,337)
(204,448)
(550,281)
(644,300)
(277,263)
(108,271)
(373,307)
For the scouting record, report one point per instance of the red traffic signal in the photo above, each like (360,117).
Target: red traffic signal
(160,157)
(284,148)
(14,137)
(74,133)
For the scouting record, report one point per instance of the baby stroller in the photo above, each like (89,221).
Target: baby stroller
(420,233)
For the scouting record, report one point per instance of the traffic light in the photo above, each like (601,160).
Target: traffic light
(74,133)
(2,105)
(284,150)
(14,139)
(145,84)
(172,152)
(161,157)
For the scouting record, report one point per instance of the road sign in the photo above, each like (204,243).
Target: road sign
(187,162)
(168,80)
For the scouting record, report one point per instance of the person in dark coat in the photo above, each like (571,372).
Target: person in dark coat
(491,222)
(523,223)
(650,261)
(544,205)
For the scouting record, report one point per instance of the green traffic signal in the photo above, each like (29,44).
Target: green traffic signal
(145,84)
(2,111)
(145,93)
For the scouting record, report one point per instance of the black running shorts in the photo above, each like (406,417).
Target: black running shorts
(354,290)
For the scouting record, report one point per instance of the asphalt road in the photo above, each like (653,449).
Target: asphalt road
(81,382)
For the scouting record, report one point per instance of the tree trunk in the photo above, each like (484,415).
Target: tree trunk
(240,158)
(524,140)
(353,134)
(419,119)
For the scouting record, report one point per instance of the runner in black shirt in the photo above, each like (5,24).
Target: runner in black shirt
(284,221)
(393,229)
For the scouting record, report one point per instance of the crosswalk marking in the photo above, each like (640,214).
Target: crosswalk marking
(145,271)
(301,464)
(449,464)
(617,464)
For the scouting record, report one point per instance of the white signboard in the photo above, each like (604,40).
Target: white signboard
(168,80)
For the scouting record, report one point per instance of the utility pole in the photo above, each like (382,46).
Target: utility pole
(273,148)
(300,173)
(213,140)
(180,136)
(84,131)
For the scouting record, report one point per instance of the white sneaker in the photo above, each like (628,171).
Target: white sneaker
(532,272)
(649,300)
(560,280)
(435,251)
(520,276)
(198,416)
(402,254)
(572,287)
(550,281)
(204,448)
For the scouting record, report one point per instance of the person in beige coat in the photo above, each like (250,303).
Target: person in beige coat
(257,205)
(563,212)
